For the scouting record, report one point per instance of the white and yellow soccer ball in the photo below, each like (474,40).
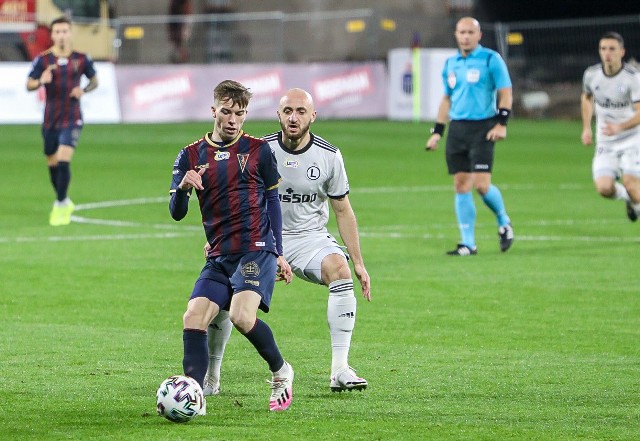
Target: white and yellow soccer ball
(180,399)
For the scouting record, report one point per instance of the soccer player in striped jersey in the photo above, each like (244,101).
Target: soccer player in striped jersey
(313,176)
(611,89)
(60,69)
(235,177)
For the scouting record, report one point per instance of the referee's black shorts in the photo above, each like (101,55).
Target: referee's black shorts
(468,149)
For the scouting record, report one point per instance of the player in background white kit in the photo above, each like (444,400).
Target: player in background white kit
(612,88)
(313,175)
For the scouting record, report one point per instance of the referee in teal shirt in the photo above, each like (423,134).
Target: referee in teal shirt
(477,101)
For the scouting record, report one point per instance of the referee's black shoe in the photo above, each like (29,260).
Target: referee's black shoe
(463,250)
(506,237)
(631,213)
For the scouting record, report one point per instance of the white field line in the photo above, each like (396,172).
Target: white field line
(382,232)
(449,188)
(526,238)
(121,203)
(95,237)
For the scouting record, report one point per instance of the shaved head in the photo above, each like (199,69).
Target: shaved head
(296,114)
(297,94)
(469,21)
(468,35)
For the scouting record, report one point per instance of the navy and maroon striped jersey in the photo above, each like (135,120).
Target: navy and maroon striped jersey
(233,204)
(61,111)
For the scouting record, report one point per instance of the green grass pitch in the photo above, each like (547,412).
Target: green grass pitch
(540,343)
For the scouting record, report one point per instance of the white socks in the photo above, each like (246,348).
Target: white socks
(341,316)
(219,332)
(283,372)
(621,192)
(63,203)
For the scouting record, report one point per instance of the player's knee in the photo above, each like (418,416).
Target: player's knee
(193,319)
(242,321)
(337,268)
(630,182)
(482,187)
(606,191)
(343,272)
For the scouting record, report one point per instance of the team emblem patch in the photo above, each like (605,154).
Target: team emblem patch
(473,76)
(291,163)
(242,159)
(313,173)
(221,156)
(451,80)
(250,269)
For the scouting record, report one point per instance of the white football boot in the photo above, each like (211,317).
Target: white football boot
(211,386)
(281,391)
(347,380)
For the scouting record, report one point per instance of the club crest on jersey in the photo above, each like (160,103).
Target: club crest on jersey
(313,173)
(222,156)
(242,159)
(202,166)
(291,163)
(250,269)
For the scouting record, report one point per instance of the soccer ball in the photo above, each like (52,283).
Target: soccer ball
(180,399)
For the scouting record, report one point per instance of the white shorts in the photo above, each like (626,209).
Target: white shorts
(305,251)
(617,159)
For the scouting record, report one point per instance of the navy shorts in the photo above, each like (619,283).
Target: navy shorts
(223,276)
(467,147)
(54,138)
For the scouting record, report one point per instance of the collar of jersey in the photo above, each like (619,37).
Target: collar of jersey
(296,152)
(56,54)
(213,143)
(472,54)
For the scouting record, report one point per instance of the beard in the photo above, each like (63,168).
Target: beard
(299,134)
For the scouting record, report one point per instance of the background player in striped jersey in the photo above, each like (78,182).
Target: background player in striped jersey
(313,173)
(60,69)
(236,178)
(612,89)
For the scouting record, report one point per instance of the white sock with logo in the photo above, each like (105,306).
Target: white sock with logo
(218,334)
(341,316)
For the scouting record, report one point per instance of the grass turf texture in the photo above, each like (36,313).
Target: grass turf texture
(540,343)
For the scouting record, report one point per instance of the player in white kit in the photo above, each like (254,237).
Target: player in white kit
(313,175)
(612,89)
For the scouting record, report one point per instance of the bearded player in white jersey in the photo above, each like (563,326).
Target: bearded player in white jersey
(313,176)
(612,89)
